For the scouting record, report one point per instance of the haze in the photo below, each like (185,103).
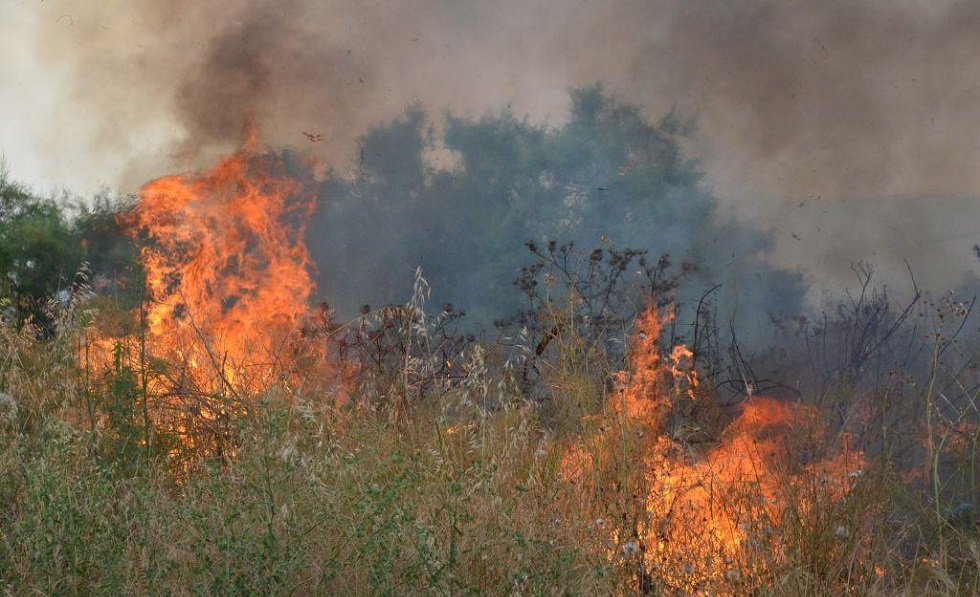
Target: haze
(832,103)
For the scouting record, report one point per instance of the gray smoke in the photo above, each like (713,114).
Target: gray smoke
(795,99)
(838,99)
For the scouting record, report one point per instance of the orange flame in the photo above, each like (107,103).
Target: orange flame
(228,278)
(707,515)
(650,377)
(227,271)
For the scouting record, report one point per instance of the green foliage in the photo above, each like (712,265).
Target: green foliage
(311,506)
(38,251)
(44,243)
(461,198)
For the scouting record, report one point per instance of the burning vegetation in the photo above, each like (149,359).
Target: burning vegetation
(711,491)
(228,275)
(227,282)
(216,433)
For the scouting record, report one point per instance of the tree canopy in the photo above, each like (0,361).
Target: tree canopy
(44,242)
(460,198)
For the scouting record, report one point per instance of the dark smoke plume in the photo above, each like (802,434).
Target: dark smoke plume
(794,99)
(838,99)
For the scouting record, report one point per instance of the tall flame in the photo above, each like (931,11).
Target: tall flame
(227,270)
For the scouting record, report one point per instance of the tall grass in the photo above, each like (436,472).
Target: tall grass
(421,482)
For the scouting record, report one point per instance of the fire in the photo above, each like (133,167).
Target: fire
(701,518)
(228,279)
(227,271)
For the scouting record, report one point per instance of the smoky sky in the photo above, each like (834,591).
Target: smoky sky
(794,99)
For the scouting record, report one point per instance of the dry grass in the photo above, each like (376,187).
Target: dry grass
(473,490)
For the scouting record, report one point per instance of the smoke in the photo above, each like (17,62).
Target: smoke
(838,99)
(171,84)
(794,99)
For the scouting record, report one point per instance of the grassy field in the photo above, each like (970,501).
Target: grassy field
(396,477)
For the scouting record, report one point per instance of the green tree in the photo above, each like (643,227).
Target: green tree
(461,200)
(39,252)
(44,242)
